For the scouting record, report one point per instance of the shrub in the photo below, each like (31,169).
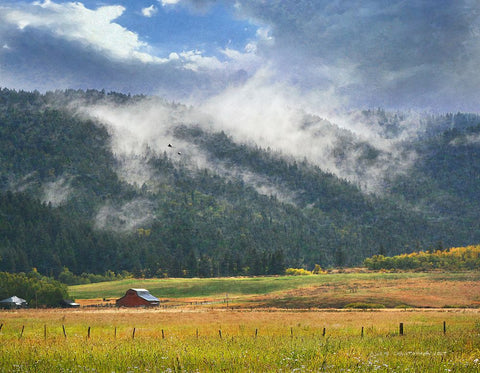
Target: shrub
(318,270)
(67,277)
(297,272)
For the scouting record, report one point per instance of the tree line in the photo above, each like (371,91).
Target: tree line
(37,290)
(453,259)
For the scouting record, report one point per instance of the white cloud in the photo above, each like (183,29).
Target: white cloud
(366,53)
(149,11)
(173,56)
(248,60)
(264,34)
(264,111)
(405,54)
(74,22)
(275,114)
(402,55)
(89,49)
(196,61)
(168,2)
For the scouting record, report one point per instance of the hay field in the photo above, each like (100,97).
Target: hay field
(156,340)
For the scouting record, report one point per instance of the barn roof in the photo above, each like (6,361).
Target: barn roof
(70,303)
(145,294)
(14,299)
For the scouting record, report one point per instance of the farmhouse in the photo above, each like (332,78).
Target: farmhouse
(13,302)
(68,303)
(137,298)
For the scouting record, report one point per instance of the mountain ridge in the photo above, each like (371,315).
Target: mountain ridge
(213,205)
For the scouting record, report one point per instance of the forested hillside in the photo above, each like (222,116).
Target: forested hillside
(196,202)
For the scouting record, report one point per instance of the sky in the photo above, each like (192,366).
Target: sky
(323,55)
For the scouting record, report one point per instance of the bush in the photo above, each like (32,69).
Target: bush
(297,272)
(67,277)
(318,270)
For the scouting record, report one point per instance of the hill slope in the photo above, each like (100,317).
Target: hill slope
(335,290)
(90,182)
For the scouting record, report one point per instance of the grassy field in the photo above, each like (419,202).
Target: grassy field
(435,290)
(119,340)
(271,324)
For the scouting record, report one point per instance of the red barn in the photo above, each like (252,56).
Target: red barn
(137,298)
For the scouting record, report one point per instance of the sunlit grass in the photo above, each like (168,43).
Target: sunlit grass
(315,291)
(188,287)
(238,341)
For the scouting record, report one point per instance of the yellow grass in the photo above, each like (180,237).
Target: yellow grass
(228,340)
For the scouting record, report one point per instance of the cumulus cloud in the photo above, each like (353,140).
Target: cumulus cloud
(194,60)
(67,45)
(407,54)
(149,11)
(363,53)
(75,22)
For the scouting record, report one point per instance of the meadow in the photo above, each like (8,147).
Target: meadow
(429,322)
(158,340)
(334,290)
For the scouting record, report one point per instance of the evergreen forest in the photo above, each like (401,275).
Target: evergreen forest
(197,202)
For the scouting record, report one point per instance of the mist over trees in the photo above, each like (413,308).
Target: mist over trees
(220,207)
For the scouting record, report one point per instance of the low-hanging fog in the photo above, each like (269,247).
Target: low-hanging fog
(294,76)
(258,113)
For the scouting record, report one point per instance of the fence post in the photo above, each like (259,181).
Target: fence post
(401,328)
(64,332)
(133,333)
(88,333)
(323,332)
(115,333)
(163,334)
(444,327)
(1,326)
(220,333)
(45,331)
(21,333)
(362,332)
(256,333)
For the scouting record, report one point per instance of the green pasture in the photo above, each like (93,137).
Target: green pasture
(199,287)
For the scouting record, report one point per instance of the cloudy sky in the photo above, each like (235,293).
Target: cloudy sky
(404,54)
